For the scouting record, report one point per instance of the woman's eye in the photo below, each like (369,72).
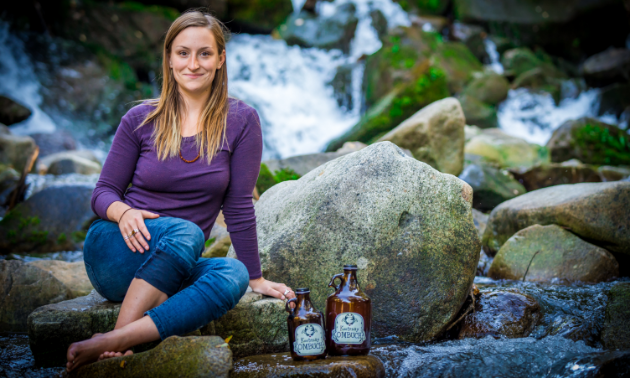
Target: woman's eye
(182,53)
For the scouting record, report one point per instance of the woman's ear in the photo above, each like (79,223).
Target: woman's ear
(222,60)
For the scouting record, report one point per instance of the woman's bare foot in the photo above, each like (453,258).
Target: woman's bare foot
(107,355)
(88,351)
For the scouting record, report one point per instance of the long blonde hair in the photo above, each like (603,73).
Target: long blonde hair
(166,116)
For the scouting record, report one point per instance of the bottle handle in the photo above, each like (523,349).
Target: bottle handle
(288,308)
(332,281)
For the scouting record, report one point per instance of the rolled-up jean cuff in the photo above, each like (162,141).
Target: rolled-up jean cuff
(163,271)
(158,323)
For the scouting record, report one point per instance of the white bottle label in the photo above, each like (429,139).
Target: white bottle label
(348,329)
(309,340)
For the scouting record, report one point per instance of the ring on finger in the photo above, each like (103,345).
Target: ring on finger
(131,235)
(287,291)
(126,237)
(134,232)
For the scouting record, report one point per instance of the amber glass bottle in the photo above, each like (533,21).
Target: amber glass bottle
(306,328)
(348,316)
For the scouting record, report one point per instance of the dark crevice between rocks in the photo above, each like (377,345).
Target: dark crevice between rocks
(530,264)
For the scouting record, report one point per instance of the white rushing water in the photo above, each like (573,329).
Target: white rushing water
(290,86)
(491,49)
(18,81)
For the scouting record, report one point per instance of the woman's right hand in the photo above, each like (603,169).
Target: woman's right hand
(134,220)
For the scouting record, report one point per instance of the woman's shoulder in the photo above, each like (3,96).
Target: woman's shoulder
(136,115)
(241,114)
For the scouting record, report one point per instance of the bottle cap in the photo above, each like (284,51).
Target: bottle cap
(349,267)
(302,290)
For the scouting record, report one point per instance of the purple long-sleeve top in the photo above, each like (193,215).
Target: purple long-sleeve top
(192,191)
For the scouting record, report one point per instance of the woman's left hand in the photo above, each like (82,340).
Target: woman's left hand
(272,289)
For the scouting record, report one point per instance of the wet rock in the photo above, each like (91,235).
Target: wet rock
(176,356)
(51,143)
(607,67)
(72,275)
(333,32)
(15,150)
(483,265)
(597,212)
(221,244)
(23,288)
(544,253)
(473,37)
(608,173)
(497,314)
(12,112)
(9,178)
(597,364)
(82,162)
(591,142)
(459,64)
(545,78)
(491,186)
(52,328)
(281,365)
(569,172)
(519,60)
(616,330)
(398,219)
(505,150)
(379,23)
(478,113)
(481,220)
(614,99)
(426,85)
(488,87)
(257,325)
(53,219)
(342,86)
(434,135)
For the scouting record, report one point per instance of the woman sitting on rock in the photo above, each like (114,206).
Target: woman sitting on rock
(187,155)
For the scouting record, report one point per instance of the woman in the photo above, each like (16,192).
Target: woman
(187,154)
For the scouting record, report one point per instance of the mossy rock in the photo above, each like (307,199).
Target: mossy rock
(488,87)
(506,151)
(401,103)
(616,330)
(591,142)
(259,15)
(266,179)
(458,62)
(519,60)
(542,79)
(597,212)
(478,113)
(490,186)
(569,172)
(404,49)
(395,217)
(548,253)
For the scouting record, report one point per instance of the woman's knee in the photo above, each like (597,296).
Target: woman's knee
(184,239)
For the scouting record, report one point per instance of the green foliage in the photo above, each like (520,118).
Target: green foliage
(603,146)
(38,237)
(424,6)
(166,12)
(28,221)
(61,239)
(266,179)
(79,236)
(210,241)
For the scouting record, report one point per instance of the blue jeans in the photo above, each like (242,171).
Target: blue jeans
(199,289)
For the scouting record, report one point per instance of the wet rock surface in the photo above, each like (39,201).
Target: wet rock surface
(545,253)
(415,230)
(52,328)
(491,186)
(434,135)
(569,172)
(12,111)
(505,150)
(596,212)
(281,365)
(498,314)
(189,357)
(616,329)
(257,325)
(481,220)
(53,219)
(612,65)
(23,288)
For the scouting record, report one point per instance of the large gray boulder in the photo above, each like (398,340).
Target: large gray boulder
(597,212)
(23,288)
(607,67)
(408,227)
(434,135)
(15,150)
(54,219)
(186,357)
(547,253)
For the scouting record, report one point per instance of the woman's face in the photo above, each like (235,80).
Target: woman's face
(195,60)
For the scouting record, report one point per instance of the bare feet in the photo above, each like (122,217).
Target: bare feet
(90,350)
(107,355)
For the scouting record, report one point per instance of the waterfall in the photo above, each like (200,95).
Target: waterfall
(19,82)
(491,49)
